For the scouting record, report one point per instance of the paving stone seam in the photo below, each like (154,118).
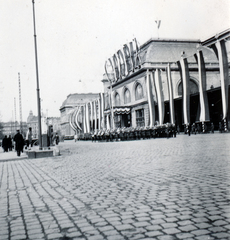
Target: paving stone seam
(72,220)
(20,205)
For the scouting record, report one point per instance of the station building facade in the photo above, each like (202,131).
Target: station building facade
(162,81)
(68,111)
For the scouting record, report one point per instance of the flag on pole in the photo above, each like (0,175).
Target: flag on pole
(158,23)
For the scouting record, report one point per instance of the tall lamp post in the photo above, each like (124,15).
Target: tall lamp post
(38,90)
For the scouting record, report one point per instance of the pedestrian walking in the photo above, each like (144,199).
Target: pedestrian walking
(75,137)
(212,127)
(19,143)
(29,137)
(10,145)
(5,144)
(56,139)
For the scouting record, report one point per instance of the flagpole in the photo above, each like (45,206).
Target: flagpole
(38,90)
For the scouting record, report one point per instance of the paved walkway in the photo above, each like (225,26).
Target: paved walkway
(12,155)
(150,189)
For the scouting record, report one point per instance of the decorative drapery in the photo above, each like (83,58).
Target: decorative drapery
(224,78)
(160,96)
(170,92)
(150,99)
(204,110)
(183,66)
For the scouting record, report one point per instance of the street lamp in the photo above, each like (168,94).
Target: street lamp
(38,90)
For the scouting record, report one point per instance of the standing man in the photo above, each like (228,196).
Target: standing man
(10,145)
(19,143)
(5,144)
(29,138)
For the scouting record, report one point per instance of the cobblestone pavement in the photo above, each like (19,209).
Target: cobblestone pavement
(149,189)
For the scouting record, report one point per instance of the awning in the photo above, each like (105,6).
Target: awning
(119,110)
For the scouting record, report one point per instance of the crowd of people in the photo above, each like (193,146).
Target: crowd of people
(18,142)
(131,133)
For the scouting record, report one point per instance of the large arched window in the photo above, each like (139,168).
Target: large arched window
(192,86)
(138,92)
(127,97)
(117,100)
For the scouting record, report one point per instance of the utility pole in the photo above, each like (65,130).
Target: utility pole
(20,103)
(38,90)
(15,119)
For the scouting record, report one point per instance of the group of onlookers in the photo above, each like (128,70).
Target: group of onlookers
(7,143)
(19,142)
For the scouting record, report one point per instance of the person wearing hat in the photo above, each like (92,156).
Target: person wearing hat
(19,143)
(29,137)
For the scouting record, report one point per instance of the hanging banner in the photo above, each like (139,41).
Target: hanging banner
(87,117)
(160,96)
(150,99)
(204,109)
(77,117)
(99,113)
(95,114)
(224,78)
(71,120)
(107,122)
(102,105)
(91,114)
(170,91)
(183,66)
(84,118)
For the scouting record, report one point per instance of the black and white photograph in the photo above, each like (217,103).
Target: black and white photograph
(114,120)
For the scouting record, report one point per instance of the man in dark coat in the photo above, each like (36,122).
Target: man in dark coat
(5,144)
(19,143)
(10,143)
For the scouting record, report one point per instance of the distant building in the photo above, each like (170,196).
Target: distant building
(32,121)
(10,128)
(69,105)
(56,123)
(177,81)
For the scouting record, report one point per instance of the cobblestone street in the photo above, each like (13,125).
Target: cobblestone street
(177,188)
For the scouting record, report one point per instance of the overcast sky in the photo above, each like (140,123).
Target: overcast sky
(74,38)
